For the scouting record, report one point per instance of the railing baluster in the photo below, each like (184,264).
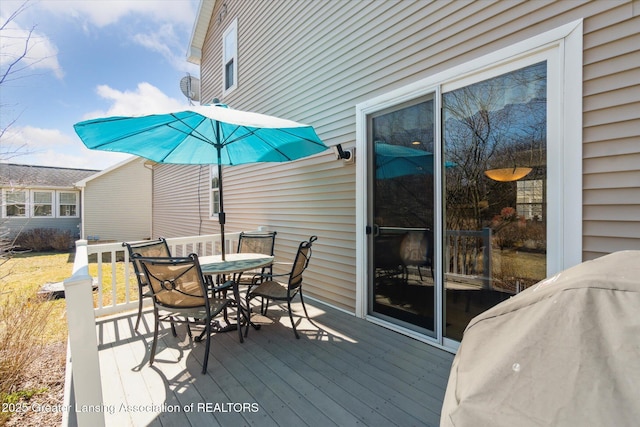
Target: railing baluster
(114,279)
(100,278)
(179,246)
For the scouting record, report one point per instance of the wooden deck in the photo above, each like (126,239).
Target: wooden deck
(343,371)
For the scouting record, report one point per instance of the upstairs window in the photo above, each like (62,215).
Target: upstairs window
(230,58)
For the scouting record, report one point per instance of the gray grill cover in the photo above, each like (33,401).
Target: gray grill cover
(565,352)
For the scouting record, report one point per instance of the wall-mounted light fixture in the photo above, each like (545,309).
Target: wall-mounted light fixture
(349,155)
(222,13)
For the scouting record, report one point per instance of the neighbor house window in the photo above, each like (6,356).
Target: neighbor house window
(15,203)
(214,205)
(230,57)
(42,203)
(530,199)
(68,204)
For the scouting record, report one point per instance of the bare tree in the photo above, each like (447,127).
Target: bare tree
(16,64)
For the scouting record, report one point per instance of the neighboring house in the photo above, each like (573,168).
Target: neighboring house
(117,202)
(40,197)
(548,88)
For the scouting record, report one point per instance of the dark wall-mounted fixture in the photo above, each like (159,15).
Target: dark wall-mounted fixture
(349,155)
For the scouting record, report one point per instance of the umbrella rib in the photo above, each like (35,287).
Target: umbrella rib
(253,132)
(157,126)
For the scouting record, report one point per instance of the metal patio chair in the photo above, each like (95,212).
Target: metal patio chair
(271,289)
(147,248)
(260,243)
(180,295)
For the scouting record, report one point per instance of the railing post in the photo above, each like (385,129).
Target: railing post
(83,341)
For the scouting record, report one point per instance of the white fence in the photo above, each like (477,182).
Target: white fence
(114,253)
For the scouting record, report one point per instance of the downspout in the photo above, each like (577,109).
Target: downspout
(149,165)
(81,186)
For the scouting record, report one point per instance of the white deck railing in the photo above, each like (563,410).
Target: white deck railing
(115,253)
(86,399)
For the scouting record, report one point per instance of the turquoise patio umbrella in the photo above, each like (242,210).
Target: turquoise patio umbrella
(206,134)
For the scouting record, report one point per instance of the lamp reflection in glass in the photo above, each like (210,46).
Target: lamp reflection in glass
(507,174)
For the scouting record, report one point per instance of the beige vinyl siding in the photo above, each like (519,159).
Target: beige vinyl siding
(180,201)
(272,195)
(611,131)
(117,204)
(314,61)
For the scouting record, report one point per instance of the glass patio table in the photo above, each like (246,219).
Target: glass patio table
(234,264)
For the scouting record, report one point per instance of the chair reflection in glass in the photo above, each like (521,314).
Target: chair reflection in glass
(180,295)
(417,250)
(271,289)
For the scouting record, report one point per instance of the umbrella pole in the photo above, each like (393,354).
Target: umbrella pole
(221,216)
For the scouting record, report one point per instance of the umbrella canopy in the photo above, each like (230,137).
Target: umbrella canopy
(565,352)
(199,135)
(397,160)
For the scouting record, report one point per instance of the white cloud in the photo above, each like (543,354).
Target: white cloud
(146,99)
(33,138)
(41,53)
(50,147)
(103,13)
(161,26)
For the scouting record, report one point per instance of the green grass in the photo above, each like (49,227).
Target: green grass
(21,278)
(31,325)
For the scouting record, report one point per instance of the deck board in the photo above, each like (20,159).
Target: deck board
(343,371)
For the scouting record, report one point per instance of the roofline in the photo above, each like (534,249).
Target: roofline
(41,187)
(199,32)
(49,167)
(82,183)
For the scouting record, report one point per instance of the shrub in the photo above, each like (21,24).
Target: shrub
(62,241)
(45,239)
(21,340)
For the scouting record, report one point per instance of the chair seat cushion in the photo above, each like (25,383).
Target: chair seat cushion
(271,289)
(215,305)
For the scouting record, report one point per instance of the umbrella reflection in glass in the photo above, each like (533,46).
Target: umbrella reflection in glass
(208,134)
(393,161)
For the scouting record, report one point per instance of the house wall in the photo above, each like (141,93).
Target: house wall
(314,61)
(117,204)
(611,131)
(15,226)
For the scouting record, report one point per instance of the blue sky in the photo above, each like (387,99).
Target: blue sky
(89,59)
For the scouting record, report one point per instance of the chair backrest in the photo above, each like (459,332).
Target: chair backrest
(417,248)
(301,262)
(147,249)
(257,242)
(175,282)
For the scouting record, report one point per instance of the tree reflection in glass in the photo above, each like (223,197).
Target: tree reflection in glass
(495,239)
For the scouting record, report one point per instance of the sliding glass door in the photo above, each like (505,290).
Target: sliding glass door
(402,208)
(495,206)
(458,201)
